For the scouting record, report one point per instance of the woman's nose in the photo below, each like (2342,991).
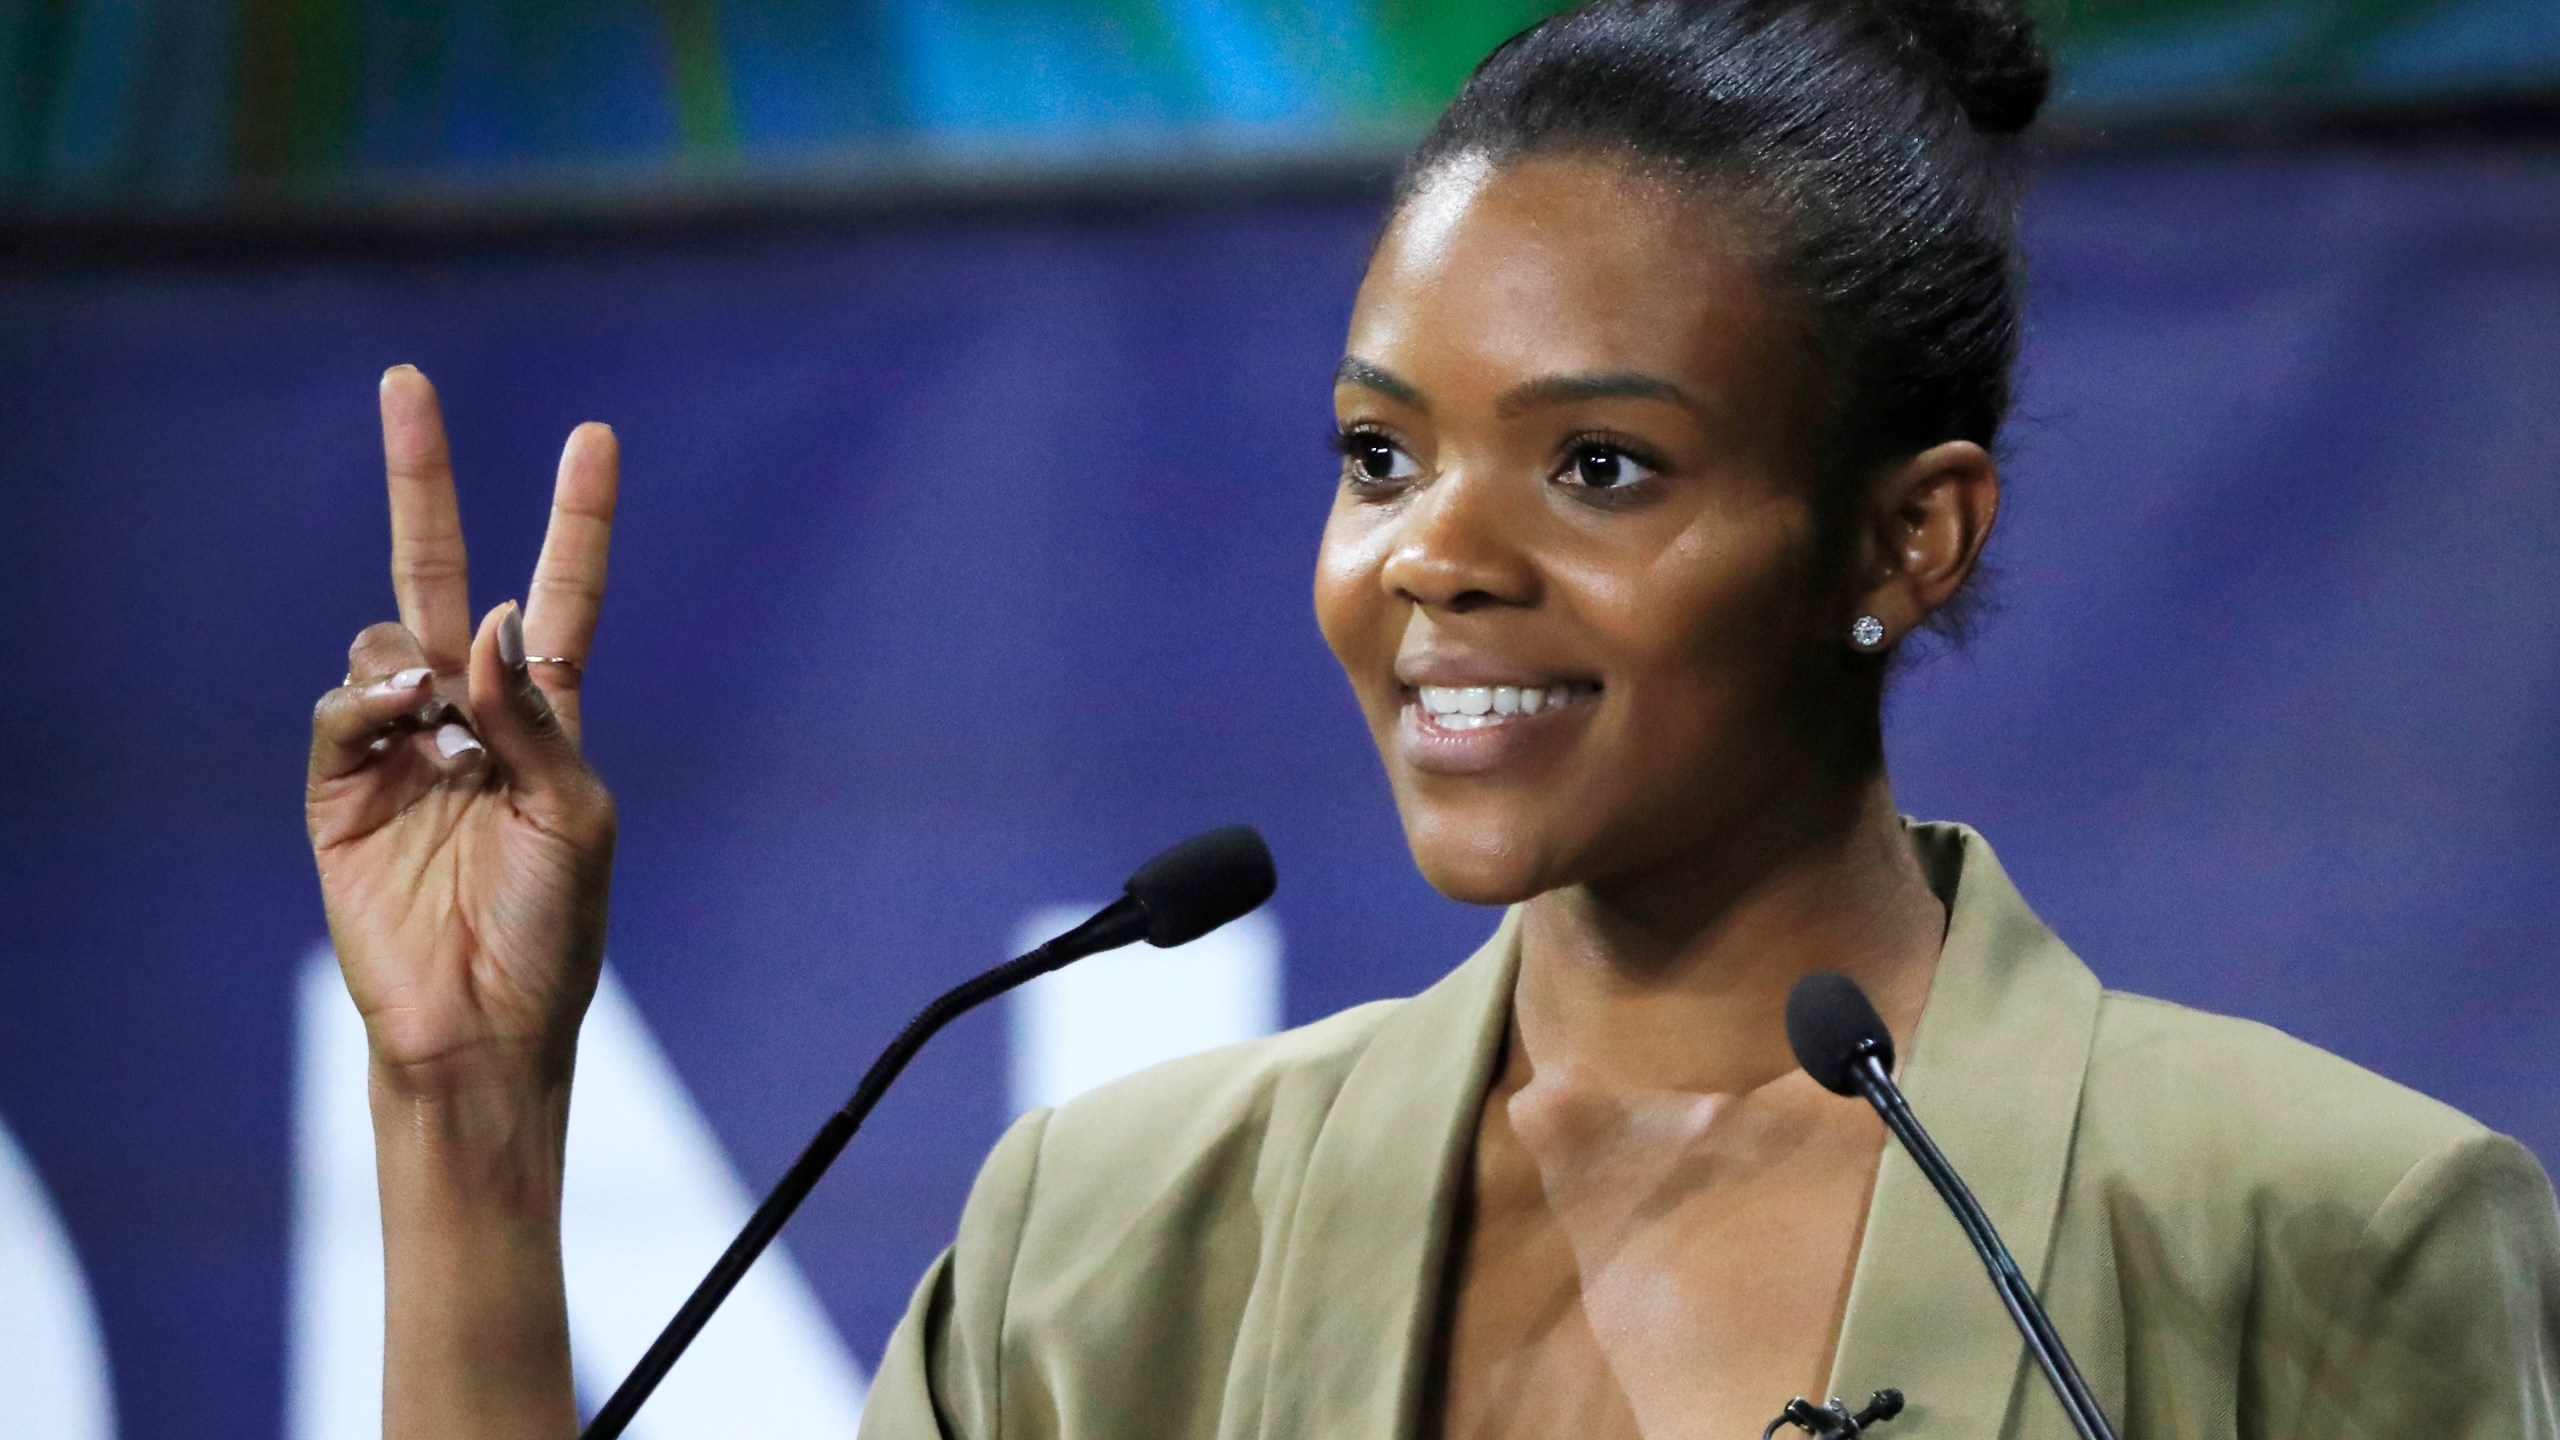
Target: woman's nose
(1461,544)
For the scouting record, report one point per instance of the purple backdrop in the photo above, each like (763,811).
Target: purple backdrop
(964,561)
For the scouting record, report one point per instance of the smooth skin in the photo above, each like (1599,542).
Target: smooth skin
(1577,430)
(465,851)
(1577,435)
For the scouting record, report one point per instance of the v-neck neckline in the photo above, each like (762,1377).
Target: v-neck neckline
(1994,1069)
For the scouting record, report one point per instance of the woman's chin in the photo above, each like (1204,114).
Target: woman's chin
(1477,865)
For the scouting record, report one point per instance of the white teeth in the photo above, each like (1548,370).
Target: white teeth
(1472,707)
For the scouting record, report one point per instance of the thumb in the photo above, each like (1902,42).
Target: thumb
(513,716)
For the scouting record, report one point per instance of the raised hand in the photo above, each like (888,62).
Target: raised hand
(464,846)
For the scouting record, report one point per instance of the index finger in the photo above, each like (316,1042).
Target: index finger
(429,575)
(568,581)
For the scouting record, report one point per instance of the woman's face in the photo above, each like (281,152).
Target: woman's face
(1572,569)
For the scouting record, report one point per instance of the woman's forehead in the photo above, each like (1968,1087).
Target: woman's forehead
(1568,264)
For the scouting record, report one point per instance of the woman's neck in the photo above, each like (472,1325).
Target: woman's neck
(1678,980)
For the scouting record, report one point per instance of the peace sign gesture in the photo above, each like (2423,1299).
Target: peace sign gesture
(464,846)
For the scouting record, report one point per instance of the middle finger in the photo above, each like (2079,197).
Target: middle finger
(429,573)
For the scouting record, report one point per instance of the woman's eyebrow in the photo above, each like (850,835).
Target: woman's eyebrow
(1371,376)
(1602,385)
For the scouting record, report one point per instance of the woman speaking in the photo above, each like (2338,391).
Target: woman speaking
(1666,415)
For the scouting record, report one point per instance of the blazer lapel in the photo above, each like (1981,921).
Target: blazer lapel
(1361,1278)
(1995,1073)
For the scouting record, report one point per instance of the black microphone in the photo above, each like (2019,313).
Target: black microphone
(1842,1043)
(1176,898)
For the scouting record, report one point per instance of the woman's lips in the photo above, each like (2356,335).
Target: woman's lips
(1469,729)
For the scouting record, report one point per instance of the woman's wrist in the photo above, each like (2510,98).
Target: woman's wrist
(482,1071)
(491,1139)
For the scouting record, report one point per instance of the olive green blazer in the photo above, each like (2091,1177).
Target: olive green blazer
(2238,1234)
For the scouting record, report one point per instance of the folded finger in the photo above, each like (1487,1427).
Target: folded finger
(387,649)
(357,721)
(381,650)
(513,715)
(429,572)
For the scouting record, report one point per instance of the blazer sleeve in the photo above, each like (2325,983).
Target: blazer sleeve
(2448,1322)
(942,1375)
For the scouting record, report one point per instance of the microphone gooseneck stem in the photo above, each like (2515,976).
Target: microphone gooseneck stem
(1119,924)
(2043,1341)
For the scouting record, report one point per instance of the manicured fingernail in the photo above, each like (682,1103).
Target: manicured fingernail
(406,680)
(452,740)
(511,637)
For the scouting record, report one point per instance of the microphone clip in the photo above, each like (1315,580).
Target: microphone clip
(1833,1421)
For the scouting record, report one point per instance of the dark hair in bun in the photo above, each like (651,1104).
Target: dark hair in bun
(1872,142)
(1985,52)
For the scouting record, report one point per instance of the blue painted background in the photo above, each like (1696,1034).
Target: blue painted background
(196,105)
(964,561)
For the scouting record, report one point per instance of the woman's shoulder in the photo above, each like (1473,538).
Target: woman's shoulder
(2380,1262)
(1124,1212)
(1205,1132)
(1168,1113)
(2280,1124)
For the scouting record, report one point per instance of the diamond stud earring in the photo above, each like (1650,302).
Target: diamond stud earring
(1866,632)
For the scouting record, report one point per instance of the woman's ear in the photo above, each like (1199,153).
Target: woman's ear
(1925,525)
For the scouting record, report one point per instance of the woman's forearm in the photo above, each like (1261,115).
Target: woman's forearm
(476,1338)
(465,851)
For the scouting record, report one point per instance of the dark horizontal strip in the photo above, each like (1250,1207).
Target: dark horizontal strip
(908,190)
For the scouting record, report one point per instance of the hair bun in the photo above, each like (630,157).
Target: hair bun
(1986,51)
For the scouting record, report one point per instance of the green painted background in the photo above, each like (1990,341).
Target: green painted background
(178,104)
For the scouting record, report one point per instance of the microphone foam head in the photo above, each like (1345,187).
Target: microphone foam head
(1831,1024)
(1203,883)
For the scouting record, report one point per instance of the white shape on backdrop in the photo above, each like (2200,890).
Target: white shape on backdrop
(1118,1013)
(53,1361)
(650,1202)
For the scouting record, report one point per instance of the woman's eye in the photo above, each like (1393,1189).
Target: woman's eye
(1376,460)
(1597,465)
